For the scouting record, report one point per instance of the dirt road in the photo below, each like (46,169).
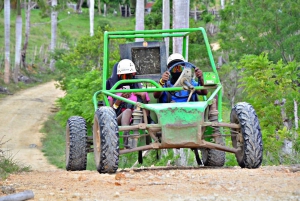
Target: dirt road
(22,116)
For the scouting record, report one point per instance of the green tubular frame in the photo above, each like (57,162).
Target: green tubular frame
(184,33)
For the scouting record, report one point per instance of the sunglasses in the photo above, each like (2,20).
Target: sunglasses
(177,69)
(127,76)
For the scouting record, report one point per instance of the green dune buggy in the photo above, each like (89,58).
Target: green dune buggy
(193,124)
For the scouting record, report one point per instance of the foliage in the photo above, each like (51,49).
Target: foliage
(253,27)
(81,75)
(229,75)
(78,98)
(266,82)
(153,21)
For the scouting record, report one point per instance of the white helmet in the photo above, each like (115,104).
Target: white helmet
(173,58)
(126,66)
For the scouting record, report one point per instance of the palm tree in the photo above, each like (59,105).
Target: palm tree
(91,9)
(7,40)
(139,17)
(180,20)
(53,31)
(222,4)
(27,32)
(166,21)
(18,42)
(99,7)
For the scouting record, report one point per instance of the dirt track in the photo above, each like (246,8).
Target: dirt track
(22,116)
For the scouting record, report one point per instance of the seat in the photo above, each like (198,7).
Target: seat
(113,78)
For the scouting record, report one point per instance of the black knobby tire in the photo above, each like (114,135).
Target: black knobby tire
(250,145)
(76,144)
(212,157)
(106,140)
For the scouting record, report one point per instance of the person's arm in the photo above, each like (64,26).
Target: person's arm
(162,81)
(199,75)
(117,103)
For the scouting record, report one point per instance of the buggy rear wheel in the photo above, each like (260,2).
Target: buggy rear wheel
(212,157)
(106,140)
(247,139)
(76,144)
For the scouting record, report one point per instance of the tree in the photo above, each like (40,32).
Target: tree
(99,7)
(53,31)
(180,20)
(253,27)
(91,9)
(222,4)
(272,88)
(104,8)
(166,21)
(27,31)
(18,42)
(139,17)
(79,5)
(7,40)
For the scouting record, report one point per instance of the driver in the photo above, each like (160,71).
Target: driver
(181,96)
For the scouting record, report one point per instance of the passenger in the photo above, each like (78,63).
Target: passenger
(126,70)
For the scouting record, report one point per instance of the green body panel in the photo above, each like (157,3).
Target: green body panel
(209,78)
(180,122)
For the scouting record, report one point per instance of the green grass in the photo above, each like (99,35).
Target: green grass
(8,165)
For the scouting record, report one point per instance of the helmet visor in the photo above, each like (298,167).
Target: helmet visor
(127,76)
(177,69)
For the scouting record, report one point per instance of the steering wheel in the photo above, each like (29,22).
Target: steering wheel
(185,77)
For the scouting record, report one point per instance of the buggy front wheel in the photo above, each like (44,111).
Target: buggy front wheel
(247,139)
(106,140)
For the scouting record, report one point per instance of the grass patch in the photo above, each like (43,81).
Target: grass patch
(8,165)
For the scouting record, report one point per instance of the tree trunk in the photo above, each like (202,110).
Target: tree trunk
(195,10)
(139,17)
(166,22)
(78,6)
(120,9)
(125,14)
(180,20)
(296,114)
(18,42)
(284,117)
(92,2)
(7,41)
(222,4)
(27,32)
(53,32)
(104,10)
(99,7)
(129,10)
